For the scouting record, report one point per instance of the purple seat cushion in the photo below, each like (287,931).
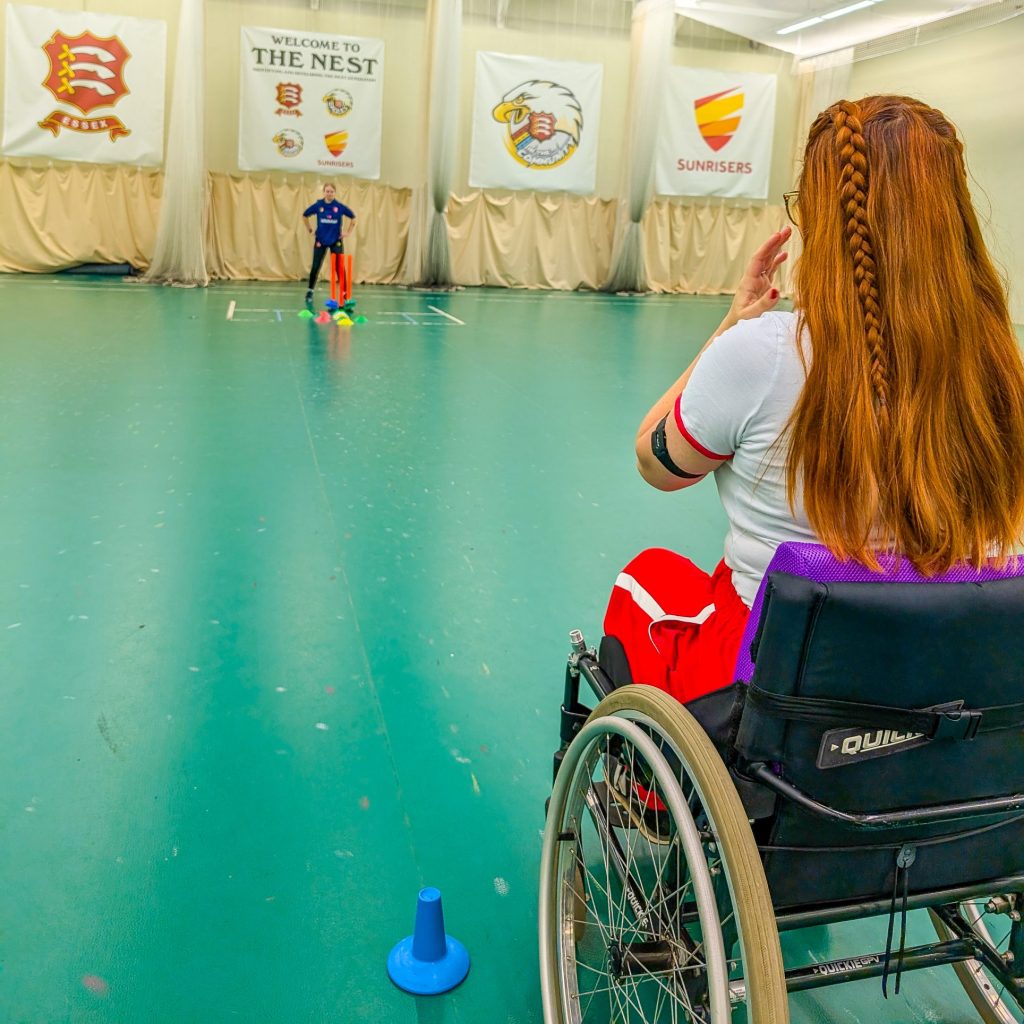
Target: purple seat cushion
(815,562)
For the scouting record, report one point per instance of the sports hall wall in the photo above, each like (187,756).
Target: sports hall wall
(55,215)
(977,80)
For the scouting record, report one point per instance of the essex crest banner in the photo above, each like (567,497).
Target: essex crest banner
(84,86)
(535,124)
(716,134)
(310,102)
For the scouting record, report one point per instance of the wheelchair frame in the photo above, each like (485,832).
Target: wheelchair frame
(961,945)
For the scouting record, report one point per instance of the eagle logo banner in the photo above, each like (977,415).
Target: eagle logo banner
(543,123)
(534,123)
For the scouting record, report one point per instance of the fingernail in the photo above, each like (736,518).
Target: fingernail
(775,293)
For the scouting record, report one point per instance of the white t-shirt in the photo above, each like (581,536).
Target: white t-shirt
(736,404)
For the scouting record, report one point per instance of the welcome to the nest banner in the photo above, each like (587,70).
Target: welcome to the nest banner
(310,102)
(84,86)
(535,124)
(716,135)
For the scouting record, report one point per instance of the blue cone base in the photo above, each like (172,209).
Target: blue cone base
(428,977)
(331,304)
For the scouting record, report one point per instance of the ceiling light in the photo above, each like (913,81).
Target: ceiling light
(847,10)
(799,25)
(818,19)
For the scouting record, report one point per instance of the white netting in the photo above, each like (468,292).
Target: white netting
(428,256)
(180,253)
(650,57)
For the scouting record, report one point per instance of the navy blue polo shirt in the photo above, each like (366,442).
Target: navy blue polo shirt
(328,219)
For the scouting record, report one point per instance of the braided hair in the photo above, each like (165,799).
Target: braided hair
(853,193)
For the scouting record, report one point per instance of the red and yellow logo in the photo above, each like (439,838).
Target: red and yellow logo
(289,94)
(336,142)
(718,116)
(86,72)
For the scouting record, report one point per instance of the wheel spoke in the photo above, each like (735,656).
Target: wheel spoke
(638,939)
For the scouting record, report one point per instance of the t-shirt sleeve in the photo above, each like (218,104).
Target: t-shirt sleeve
(727,387)
(346,212)
(310,210)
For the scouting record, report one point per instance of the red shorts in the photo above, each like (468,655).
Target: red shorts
(680,627)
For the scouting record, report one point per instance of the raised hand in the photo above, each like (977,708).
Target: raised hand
(756,293)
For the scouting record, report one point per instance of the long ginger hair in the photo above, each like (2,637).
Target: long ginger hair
(909,432)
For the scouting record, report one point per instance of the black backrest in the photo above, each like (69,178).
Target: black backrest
(906,645)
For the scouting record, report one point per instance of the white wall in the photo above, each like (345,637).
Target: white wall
(977,80)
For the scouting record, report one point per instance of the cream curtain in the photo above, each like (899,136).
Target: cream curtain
(704,248)
(61,216)
(256,229)
(531,239)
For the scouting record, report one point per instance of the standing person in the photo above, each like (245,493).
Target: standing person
(886,415)
(328,212)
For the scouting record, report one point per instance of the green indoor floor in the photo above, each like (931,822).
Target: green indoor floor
(283,619)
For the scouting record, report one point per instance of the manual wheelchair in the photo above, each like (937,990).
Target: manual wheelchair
(867,761)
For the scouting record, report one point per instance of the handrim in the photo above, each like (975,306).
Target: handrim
(628,713)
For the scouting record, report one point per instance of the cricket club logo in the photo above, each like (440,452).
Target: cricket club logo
(86,72)
(718,116)
(288,142)
(336,142)
(339,102)
(289,96)
(544,122)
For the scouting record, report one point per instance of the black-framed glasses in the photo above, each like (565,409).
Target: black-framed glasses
(791,199)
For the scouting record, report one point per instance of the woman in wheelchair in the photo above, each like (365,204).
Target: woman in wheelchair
(832,722)
(885,414)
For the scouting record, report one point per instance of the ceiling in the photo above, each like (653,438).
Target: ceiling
(761,21)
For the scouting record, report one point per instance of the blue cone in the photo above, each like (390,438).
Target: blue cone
(428,962)
(331,304)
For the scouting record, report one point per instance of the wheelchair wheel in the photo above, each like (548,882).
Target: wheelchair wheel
(984,991)
(678,921)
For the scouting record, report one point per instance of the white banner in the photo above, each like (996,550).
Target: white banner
(84,86)
(535,124)
(310,102)
(716,137)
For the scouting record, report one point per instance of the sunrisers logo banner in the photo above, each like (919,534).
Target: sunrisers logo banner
(716,134)
(535,124)
(83,86)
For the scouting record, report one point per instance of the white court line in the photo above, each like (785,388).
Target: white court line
(454,319)
(231,310)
